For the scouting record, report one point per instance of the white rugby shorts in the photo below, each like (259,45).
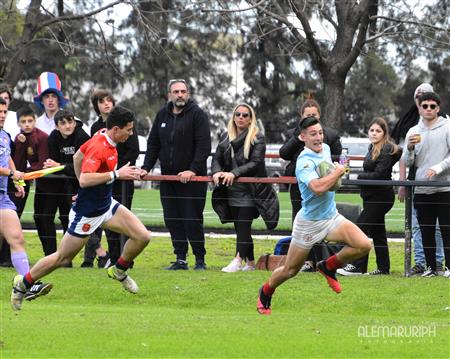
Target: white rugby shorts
(307,233)
(80,226)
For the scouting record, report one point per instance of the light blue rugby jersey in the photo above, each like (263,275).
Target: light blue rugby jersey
(314,207)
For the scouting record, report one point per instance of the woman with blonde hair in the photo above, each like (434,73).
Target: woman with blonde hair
(241,152)
(377,200)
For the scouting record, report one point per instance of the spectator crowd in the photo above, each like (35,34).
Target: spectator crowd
(180,140)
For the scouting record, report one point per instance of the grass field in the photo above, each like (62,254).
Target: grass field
(147,206)
(212,314)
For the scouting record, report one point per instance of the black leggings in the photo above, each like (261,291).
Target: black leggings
(243,219)
(372,222)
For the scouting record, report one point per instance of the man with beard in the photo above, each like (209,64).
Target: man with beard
(180,139)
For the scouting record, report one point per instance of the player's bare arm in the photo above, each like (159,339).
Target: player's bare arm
(321,185)
(77,160)
(18,175)
(125,172)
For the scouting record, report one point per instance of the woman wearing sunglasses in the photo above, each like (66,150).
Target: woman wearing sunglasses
(240,153)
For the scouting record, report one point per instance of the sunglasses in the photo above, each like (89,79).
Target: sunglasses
(432,106)
(243,114)
(174,81)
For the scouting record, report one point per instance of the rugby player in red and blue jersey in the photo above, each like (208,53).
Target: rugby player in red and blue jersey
(95,165)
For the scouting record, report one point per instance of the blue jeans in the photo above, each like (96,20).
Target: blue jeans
(419,255)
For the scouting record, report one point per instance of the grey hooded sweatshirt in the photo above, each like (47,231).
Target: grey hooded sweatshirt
(432,152)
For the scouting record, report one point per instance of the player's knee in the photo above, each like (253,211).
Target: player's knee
(365,247)
(144,237)
(61,259)
(290,272)
(16,242)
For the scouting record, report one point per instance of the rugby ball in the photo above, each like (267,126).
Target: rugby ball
(325,168)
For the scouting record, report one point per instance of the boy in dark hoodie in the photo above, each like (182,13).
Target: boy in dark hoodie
(63,142)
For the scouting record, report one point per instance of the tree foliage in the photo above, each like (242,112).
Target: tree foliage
(370,92)
(286,48)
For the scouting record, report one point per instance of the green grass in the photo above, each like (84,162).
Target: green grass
(147,206)
(212,314)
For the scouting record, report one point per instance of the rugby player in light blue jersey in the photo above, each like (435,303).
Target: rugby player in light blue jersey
(318,219)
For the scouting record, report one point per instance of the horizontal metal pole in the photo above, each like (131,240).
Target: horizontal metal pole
(293,180)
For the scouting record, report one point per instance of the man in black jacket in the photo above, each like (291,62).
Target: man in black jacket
(103,102)
(180,139)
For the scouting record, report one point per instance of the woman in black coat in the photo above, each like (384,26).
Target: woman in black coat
(241,152)
(377,200)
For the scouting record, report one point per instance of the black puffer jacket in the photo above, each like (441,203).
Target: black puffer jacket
(266,200)
(379,169)
(292,148)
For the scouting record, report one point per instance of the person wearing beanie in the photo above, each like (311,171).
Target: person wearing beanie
(410,119)
(427,148)
(103,103)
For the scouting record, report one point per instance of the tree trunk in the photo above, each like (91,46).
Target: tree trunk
(334,85)
(18,58)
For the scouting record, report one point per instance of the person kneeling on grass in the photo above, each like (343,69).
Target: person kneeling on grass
(317,220)
(95,165)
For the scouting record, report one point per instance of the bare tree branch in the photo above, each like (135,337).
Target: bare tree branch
(327,17)
(315,51)
(236,10)
(49,22)
(403,21)
(363,8)
(108,55)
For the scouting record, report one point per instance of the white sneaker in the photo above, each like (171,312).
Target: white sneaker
(122,276)
(234,266)
(444,272)
(349,270)
(18,292)
(429,273)
(248,268)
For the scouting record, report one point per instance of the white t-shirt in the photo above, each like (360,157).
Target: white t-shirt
(45,124)
(11,125)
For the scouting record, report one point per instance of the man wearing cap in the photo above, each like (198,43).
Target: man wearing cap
(427,147)
(410,119)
